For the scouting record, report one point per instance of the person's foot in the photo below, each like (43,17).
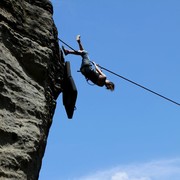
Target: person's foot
(78,38)
(65,51)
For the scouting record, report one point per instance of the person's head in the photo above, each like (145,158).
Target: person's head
(109,85)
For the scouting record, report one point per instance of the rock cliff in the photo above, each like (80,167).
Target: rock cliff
(31,71)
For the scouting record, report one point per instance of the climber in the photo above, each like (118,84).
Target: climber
(95,75)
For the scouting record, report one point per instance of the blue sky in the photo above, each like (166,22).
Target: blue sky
(128,134)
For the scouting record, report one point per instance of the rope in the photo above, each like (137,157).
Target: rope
(168,99)
(67,44)
(147,89)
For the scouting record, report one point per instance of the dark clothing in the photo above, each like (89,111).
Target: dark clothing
(87,70)
(90,73)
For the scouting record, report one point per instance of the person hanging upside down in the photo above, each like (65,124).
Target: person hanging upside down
(95,75)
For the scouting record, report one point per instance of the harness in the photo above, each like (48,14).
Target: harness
(89,74)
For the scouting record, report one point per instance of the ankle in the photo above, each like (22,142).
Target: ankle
(78,38)
(67,52)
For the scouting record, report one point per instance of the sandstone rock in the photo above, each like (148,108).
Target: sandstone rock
(31,71)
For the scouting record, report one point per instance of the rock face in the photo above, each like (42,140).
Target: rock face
(31,71)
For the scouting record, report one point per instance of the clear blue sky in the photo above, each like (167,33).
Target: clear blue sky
(128,134)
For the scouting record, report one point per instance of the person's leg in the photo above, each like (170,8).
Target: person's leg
(79,42)
(66,52)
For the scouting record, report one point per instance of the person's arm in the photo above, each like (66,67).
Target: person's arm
(98,69)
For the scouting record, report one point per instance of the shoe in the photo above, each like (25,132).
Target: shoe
(64,50)
(78,38)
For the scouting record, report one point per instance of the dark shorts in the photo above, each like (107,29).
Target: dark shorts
(86,68)
(90,74)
